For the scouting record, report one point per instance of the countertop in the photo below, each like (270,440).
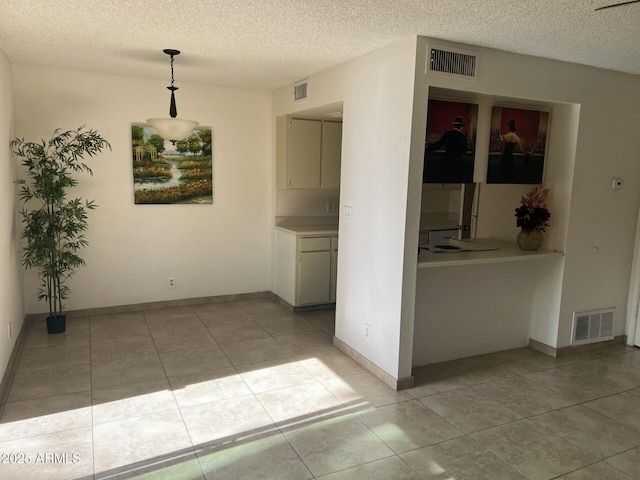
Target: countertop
(502,252)
(328,229)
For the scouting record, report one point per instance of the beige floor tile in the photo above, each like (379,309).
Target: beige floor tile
(181,323)
(329,364)
(77,330)
(336,443)
(118,325)
(139,441)
(263,308)
(221,313)
(254,351)
(306,343)
(431,379)
(630,358)
(42,416)
(237,332)
(132,400)
(408,425)
(623,408)
(325,320)
(588,380)
(524,396)
(275,374)
(171,340)
(301,404)
(123,347)
(260,457)
(65,355)
(287,325)
(590,431)
(123,371)
(163,400)
(616,349)
(533,450)
(363,391)
(469,410)
(387,468)
(227,421)
(475,370)
(50,382)
(460,458)
(175,313)
(179,465)
(597,471)
(523,360)
(185,362)
(207,387)
(55,456)
(628,462)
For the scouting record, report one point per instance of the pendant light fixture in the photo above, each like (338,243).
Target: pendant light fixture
(172,128)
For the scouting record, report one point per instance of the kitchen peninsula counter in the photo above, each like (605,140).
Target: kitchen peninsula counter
(473,302)
(316,229)
(501,251)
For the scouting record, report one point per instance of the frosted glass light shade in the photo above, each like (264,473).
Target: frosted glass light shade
(173,129)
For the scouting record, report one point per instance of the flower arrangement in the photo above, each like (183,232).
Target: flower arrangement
(532,214)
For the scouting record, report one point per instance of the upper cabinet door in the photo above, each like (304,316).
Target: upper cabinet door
(305,143)
(331,154)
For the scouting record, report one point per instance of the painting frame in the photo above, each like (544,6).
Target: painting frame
(450,141)
(166,172)
(518,141)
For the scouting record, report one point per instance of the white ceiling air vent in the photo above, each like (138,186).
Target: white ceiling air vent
(452,63)
(591,327)
(300,90)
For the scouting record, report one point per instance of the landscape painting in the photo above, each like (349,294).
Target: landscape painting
(164,173)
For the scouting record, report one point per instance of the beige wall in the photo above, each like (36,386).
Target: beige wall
(211,250)
(595,113)
(11,303)
(377,90)
(593,122)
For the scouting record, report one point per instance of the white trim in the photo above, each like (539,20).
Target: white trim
(632,330)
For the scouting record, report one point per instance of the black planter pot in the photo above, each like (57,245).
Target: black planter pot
(56,324)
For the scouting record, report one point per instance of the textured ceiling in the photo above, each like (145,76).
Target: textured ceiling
(266,44)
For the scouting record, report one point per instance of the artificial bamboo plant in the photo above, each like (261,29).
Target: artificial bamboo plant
(53,225)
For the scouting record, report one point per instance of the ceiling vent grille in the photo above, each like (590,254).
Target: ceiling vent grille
(300,90)
(457,64)
(591,327)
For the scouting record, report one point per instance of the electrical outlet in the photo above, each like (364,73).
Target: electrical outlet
(172,282)
(348,214)
(331,207)
(367,330)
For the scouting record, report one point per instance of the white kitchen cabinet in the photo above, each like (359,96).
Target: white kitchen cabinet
(334,267)
(308,153)
(331,154)
(306,267)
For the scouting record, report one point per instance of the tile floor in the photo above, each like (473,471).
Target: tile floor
(248,390)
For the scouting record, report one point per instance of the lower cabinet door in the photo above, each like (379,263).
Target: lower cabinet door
(314,278)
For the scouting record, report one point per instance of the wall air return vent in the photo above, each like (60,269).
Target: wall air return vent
(300,90)
(591,327)
(452,63)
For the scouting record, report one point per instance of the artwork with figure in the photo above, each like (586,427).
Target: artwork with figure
(449,154)
(166,173)
(517,145)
